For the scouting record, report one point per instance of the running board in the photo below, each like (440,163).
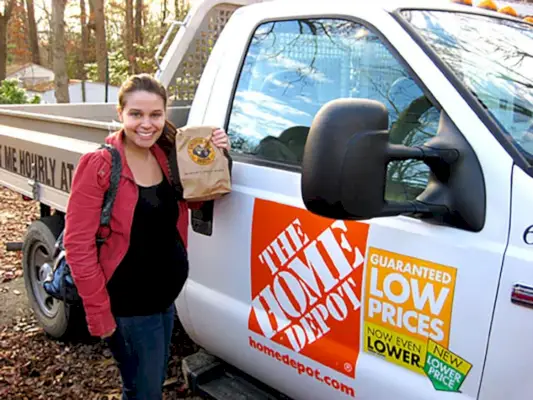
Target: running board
(210,378)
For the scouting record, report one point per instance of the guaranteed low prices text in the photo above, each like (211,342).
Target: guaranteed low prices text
(407,302)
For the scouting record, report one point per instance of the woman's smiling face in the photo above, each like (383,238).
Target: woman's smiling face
(143,118)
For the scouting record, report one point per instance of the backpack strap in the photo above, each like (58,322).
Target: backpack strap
(110,194)
(174,173)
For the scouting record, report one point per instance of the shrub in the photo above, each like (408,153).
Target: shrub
(11,93)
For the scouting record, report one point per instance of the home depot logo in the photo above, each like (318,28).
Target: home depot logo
(306,274)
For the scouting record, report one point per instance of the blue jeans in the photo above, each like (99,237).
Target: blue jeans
(140,346)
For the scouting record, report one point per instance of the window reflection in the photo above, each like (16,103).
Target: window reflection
(494,58)
(293,68)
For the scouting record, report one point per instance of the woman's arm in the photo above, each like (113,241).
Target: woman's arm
(81,225)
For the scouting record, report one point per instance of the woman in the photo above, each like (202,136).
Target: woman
(129,285)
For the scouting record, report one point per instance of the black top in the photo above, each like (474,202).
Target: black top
(154,269)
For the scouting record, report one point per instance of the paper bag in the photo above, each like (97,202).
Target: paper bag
(203,167)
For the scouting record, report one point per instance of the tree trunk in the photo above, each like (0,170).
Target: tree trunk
(34,40)
(129,52)
(138,37)
(60,64)
(164,6)
(4,18)
(47,50)
(179,10)
(163,19)
(101,44)
(84,46)
(3,47)
(138,21)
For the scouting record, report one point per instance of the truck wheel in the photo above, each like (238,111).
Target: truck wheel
(59,320)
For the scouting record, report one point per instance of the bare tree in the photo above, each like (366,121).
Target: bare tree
(177,7)
(164,14)
(97,8)
(84,46)
(60,64)
(138,21)
(44,17)
(181,7)
(4,18)
(34,41)
(130,54)
(138,30)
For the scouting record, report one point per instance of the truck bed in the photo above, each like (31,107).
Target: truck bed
(40,145)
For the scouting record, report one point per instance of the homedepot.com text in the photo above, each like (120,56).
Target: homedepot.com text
(301,368)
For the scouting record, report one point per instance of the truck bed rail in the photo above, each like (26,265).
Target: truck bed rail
(40,146)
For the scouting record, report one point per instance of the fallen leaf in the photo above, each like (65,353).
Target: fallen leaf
(8,276)
(104,363)
(108,396)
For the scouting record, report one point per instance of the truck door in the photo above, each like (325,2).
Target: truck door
(511,344)
(393,308)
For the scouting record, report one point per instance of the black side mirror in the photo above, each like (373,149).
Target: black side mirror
(328,187)
(345,162)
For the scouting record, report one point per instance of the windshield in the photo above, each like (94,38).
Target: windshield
(493,57)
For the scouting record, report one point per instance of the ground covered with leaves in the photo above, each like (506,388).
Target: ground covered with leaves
(15,216)
(34,366)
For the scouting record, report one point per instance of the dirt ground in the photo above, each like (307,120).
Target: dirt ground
(34,366)
(15,216)
(13,302)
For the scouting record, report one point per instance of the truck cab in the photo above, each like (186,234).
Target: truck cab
(376,243)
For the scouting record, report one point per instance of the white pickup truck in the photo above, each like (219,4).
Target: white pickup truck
(377,243)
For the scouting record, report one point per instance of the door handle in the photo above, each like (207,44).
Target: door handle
(202,219)
(522,295)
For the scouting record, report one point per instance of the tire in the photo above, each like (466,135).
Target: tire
(59,320)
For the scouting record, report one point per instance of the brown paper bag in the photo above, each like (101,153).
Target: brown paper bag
(203,167)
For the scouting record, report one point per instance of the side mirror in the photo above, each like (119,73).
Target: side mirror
(346,133)
(345,160)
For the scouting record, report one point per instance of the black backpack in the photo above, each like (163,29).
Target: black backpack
(60,284)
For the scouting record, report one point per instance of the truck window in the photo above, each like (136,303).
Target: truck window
(493,58)
(292,68)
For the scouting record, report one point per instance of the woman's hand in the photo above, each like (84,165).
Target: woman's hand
(221,139)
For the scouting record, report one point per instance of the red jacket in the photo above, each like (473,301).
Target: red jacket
(90,271)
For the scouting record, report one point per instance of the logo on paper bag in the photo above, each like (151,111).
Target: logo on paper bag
(306,274)
(201,151)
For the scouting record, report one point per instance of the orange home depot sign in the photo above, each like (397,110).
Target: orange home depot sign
(307,274)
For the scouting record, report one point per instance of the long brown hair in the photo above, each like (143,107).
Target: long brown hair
(147,83)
